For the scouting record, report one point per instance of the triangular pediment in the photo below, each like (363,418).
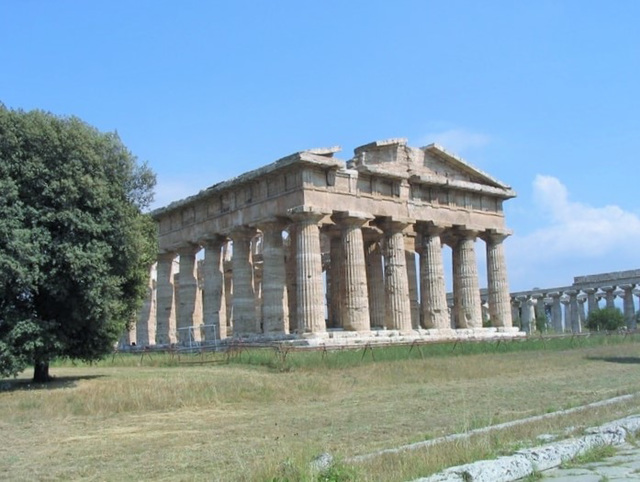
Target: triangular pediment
(431,164)
(443,163)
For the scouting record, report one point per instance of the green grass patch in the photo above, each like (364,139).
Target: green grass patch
(595,454)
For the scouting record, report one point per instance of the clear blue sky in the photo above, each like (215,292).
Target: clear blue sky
(543,95)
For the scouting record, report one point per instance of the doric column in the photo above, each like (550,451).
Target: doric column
(336,286)
(433,294)
(592,301)
(567,314)
(227,294)
(145,326)
(292,277)
(166,310)
(541,313)
(310,291)
(609,296)
(574,317)
(582,318)
(556,311)
(497,283)
(213,294)
(244,315)
(274,309)
(356,297)
(412,279)
(515,311)
(466,289)
(188,319)
(257,269)
(375,277)
(397,304)
(528,313)
(629,310)
(128,338)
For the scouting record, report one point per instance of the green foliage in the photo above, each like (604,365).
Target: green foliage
(74,244)
(606,319)
(541,324)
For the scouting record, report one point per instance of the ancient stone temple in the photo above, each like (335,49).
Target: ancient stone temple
(311,246)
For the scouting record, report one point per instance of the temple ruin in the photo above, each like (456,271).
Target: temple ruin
(311,247)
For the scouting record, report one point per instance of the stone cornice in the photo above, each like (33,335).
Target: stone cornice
(318,157)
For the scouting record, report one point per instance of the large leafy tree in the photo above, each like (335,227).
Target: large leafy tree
(75,245)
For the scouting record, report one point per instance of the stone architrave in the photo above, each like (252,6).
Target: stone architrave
(213,294)
(396,281)
(433,296)
(189,318)
(244,319)
(166,310)
(356,296)
(556,311)
(274,310)
(497,284)
(375,277)
(466,290)
(609,296)
(592,300)
(574,317)
(310,292)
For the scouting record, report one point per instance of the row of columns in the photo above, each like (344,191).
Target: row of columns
(371,280)
(549,307)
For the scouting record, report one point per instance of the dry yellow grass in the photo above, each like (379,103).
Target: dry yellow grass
(234,422)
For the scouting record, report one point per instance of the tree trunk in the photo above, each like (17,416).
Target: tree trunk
(41,372)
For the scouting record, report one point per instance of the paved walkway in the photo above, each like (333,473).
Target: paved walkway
(625,465)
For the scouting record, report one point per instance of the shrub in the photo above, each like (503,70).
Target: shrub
(606,319)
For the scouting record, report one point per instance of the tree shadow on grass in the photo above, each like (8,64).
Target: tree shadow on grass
(55,383)
(626,360)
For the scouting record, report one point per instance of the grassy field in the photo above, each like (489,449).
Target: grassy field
(264,417)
